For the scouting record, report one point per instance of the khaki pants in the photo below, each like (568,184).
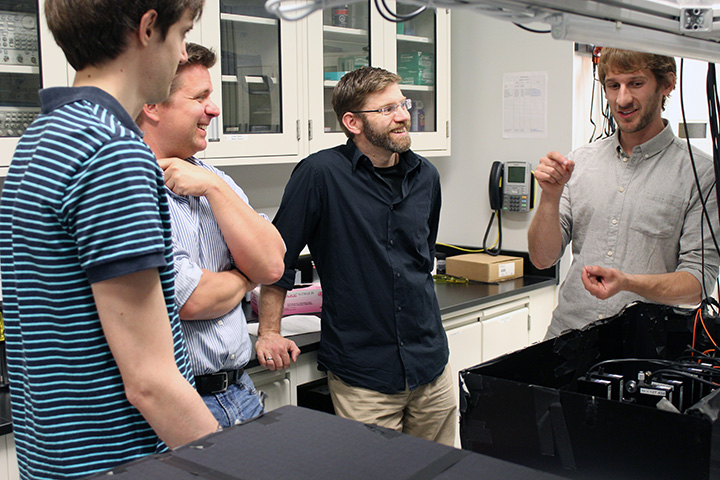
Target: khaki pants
(427,412)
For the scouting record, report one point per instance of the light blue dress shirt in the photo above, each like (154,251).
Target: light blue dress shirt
(220,343)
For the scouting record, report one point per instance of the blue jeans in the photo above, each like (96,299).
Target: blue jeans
(240,402)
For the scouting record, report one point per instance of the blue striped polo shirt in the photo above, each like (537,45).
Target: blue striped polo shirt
(84,201)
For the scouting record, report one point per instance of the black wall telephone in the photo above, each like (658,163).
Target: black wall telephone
(511,187)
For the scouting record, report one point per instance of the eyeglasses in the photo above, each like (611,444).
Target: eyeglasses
(390,109)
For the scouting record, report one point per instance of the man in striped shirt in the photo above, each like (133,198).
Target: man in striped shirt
(222,247)
(99,373)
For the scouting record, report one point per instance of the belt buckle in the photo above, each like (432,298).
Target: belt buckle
(225,383)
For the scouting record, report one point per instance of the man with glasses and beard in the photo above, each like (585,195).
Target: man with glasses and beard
(629,204)
(368,210)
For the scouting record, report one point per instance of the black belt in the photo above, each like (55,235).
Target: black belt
(217,382)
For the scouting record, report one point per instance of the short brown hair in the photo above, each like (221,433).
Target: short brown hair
(91,32)
(354,87)
(197,55)
(627,61)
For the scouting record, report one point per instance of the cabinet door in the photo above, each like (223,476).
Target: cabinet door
(274,385)
(504,333)
(29,60)
(465,345)
(339,40)
(421,56)
(255,83)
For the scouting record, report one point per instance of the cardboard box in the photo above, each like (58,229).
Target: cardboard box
(485,268)
(527,407)
(299,300)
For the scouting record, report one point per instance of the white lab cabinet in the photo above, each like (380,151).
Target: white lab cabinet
(275,78)
(465,343)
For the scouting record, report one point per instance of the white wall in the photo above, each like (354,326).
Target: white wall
(483,49)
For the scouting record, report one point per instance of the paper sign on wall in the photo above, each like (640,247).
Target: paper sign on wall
(525,105)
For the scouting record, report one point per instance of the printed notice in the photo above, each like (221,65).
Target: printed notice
(525,105)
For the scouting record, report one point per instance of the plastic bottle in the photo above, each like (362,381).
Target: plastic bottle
(420,116)
(341,16)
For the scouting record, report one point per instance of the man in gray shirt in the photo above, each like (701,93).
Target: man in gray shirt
(628,203)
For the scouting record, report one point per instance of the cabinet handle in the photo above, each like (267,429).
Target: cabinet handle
(310,130)
(297,129)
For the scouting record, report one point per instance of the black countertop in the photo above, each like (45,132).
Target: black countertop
(452,297)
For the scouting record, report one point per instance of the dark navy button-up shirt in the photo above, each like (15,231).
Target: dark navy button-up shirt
(381,326)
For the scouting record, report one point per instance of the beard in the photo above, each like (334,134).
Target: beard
(647,115)
(384,140)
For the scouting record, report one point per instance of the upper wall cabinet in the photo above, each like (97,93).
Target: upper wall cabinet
(256,83)
(275,78)
(29,60)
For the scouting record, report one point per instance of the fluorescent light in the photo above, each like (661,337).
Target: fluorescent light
(621,35)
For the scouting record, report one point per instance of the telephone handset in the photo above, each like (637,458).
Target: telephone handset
(511,186)
(495,186)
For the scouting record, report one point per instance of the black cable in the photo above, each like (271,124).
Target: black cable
(493,251)
(394,17)
(684,374)
(592,104)
(532,30)
(664,363)
(697,182)
(714,117)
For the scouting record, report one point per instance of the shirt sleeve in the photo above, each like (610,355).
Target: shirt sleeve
(697,253)
(566,220)
(113,210)
(298,216)
(187,275)
(434,220)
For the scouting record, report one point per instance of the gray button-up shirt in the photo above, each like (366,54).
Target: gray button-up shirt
(640,214)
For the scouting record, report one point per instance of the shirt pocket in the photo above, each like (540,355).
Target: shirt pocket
(658,215)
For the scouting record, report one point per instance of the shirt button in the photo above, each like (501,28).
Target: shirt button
(622,189)
(614,221)
(625,159)
(399,309)
(392,207)
(397,274)
(392,242)
(232,357)
(600,316)
(610,253)
(220,322)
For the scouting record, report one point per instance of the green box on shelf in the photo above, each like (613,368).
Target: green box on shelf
(417,76)
(416,60)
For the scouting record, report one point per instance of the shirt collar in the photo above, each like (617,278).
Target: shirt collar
(55,97)
(184,198)
(410,158)
(650,148)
